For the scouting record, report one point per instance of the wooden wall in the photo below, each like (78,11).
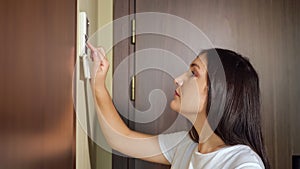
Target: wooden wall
(267,32)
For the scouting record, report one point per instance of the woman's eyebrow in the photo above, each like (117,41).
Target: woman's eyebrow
(194,64)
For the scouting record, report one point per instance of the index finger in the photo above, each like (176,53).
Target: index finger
(90,46)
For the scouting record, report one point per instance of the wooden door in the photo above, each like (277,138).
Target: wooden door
(264,31)
(36,107)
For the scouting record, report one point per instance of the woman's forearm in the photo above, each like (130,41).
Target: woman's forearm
(113,127)
(121,138)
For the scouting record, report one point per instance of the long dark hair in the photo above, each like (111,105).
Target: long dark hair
(240,121)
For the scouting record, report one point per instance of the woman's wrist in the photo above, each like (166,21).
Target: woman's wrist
(100,89)
(101,96)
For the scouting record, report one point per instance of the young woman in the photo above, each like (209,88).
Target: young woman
(225,115)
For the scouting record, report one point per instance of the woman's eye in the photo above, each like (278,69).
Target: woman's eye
(193,73)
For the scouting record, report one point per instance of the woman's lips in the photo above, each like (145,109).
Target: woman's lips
(176,93)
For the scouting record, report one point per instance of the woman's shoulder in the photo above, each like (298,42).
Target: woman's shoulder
(242,156)
(244,151)
(175,145)
(176,138)
(179,142)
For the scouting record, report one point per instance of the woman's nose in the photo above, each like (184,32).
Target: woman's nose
(178,81)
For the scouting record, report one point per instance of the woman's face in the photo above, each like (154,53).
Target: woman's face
(191,93)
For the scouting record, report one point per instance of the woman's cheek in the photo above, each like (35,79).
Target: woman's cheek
(190,98)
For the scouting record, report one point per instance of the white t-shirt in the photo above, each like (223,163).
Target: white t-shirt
(182,153)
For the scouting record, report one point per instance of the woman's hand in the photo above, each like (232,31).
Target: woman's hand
(100,67)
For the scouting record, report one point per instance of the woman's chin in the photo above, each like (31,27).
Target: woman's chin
(174,106)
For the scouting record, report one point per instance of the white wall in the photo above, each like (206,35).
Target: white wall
(89,155)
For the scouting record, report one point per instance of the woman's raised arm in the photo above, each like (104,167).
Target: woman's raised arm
(117,134)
